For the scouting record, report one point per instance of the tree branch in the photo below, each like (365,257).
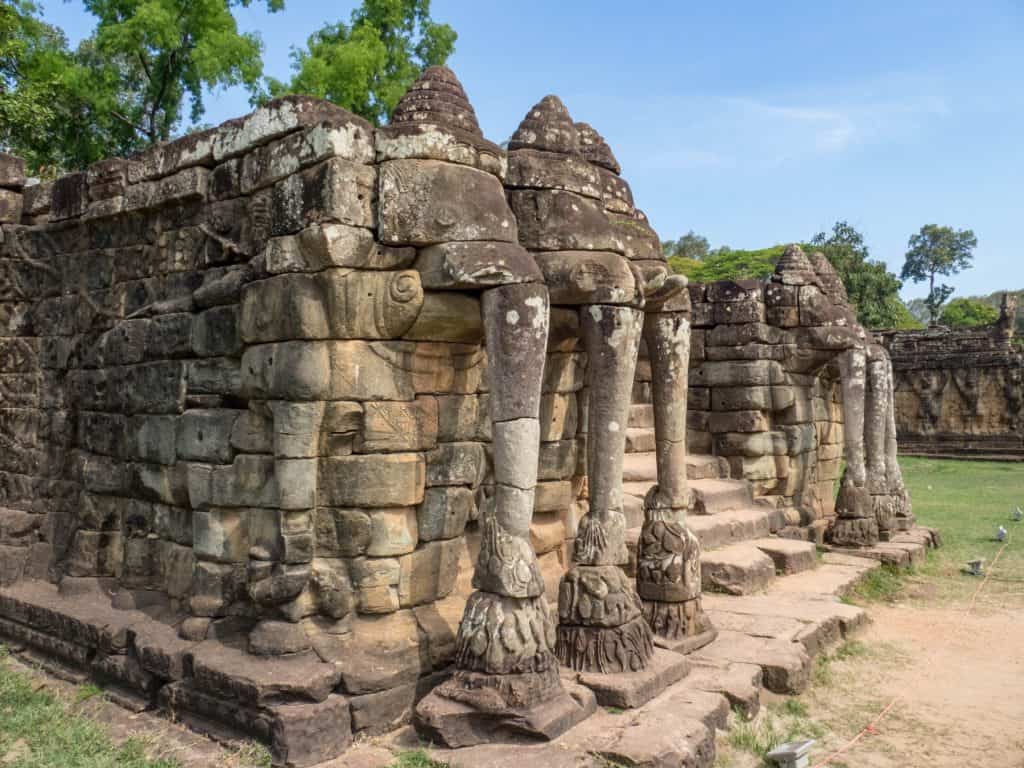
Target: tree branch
(128,121)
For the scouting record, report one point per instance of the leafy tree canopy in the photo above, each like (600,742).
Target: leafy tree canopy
(968,313)
(689,246)
(873,290)
(936,250)
(727,264)
(124,87)
(367,65)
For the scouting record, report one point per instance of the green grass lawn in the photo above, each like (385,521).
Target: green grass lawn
(967,501)
(38,730)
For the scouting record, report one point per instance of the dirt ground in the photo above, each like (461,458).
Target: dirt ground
(956,680)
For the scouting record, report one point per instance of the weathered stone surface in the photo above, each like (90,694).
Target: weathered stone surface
(399,426)
(423,202)
(468,265)
(587,277)
(388,480)
(516,329)
(448,317)
(333,192)
(556,220)
(444,512)
(12,171)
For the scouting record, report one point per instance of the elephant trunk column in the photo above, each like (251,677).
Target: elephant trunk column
(668,554)
(506,681)
(855,523)
(904,519)
(600,624)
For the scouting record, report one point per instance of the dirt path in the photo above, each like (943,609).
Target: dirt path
(960,683)
(959,691)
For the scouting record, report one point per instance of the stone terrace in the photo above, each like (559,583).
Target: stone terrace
(312,430)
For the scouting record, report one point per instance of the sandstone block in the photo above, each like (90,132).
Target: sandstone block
(456,464)
(558,416)
(534,169)
(557,220)
(287,371)
(205,435)
(392,532)
(352,136)
(444,512)
(10,206)
(399,426)
(516,321)
(215,332)
(448,317)
(12,171)
(220,535)
(341,532)
(423,202)
(587,277)
(273,162)
(429,573)
(474,265)
(334,192)
(463,417)
(383,480)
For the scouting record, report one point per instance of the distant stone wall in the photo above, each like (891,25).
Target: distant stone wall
(960,392)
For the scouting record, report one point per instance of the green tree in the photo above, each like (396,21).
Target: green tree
(873,290)
(689,246)
(727,264)
(367,65)
(968,313)
(123,88)
(173,49)
(935,251)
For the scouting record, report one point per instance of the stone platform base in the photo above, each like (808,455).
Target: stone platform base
(289,703)
(689,644)
(629,690)
(445,721)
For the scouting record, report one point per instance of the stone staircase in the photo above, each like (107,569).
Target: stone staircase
(741,553)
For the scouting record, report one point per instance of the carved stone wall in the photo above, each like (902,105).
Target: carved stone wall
(269,392)
(959,392)
(246,406)
(766,373)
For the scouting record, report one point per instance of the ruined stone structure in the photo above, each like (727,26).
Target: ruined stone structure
(960,392)
(311,429)
(784,382)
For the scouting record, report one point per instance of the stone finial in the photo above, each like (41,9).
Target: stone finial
(793,259)
(595,149)
(830,281)
(437,97)
(1007,315)
(547,126)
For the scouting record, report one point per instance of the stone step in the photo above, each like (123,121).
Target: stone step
(714,495)
(739,569)
(837,575)
(732,526)
(641,415)
(640,439)
(639,467)
(790,556)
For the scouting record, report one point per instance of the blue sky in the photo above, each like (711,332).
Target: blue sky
(752,123)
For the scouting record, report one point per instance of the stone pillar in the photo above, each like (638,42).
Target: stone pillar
(506,678)
(875,420)
(904,516)
(668,554)
(600,624)
(855,524)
